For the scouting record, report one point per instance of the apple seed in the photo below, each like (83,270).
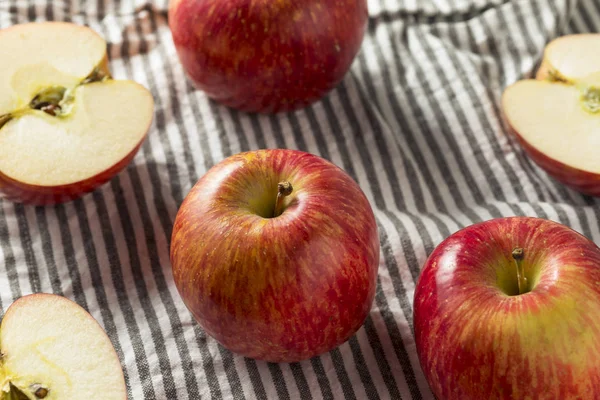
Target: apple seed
(39,391)
(50,95)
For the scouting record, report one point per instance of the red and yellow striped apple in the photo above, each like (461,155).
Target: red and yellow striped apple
(510,309)
(275,253)
(268,55)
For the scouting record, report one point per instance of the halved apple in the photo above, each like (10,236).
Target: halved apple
(52,349)
(66,127)
(556,118)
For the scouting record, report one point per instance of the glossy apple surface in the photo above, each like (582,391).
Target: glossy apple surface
(269,55)
(282,288)
(478,338)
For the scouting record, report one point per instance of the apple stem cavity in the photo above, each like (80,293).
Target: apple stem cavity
(518,254)
(284,189)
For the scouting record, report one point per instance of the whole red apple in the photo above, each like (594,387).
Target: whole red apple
(275,253)
(510,309)
(270,55)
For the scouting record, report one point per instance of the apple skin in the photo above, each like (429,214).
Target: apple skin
(278,289)
(20,192)
(476,342)
(267,56)
(585,182)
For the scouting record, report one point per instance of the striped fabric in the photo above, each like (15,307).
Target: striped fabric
(416,122)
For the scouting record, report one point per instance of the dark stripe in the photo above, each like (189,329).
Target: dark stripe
(318,133)
(26,246)
(70,254)
(379,353)
(322,379)
(297,132)
(202,133)
(48,249)
(363,369)
(49,11)
(279,381)
(237,390)
(256,128)
(276,130)
(301,381)
(239,131)
(257,384)
(10,263)
(342,374)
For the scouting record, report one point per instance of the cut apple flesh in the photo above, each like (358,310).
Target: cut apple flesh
(107,121)
(63,120)
(572,57)
(53,349)
(556,120)
(39,55)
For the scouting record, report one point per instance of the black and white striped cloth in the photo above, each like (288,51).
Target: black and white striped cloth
(416,122)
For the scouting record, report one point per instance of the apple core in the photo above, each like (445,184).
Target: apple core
(590,99)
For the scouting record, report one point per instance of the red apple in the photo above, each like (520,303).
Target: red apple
(66,126)
(510,309)
(556,117)
(275,252)
(267,56)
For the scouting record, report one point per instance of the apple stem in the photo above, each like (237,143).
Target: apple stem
(284,189)
(518,255)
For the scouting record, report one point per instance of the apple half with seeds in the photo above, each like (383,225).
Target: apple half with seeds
(53,349)
(556,118)
(66,126)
